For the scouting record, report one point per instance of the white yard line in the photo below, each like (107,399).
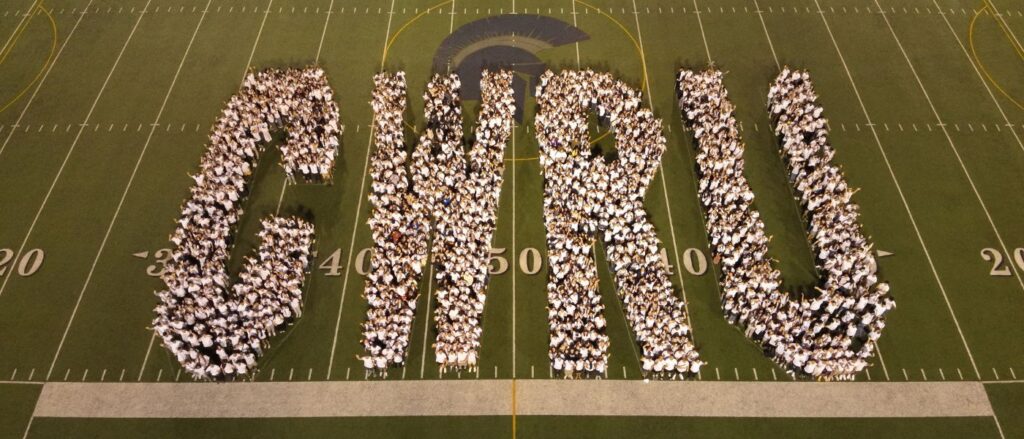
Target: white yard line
(451,23)
(982,79)
(43,79)
(430,279)
(127,188)
(426,323)
(742,399)
(28,13)
(999,16)
(515,253)
(952,146)
(764,26)
(71,149)
(245,72)
(28,427)
(577,44)
(661,170)
(760,15)
(700,23)
(899,189)
(355,220)
(319,48)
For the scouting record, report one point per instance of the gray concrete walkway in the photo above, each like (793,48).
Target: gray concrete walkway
(496,397)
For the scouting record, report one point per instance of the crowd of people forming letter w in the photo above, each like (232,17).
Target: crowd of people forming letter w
(450,192)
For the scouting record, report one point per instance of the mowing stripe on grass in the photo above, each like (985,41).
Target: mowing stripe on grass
(532,397)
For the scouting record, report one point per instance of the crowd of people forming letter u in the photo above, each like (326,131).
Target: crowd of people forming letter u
(833,334)
(434,208)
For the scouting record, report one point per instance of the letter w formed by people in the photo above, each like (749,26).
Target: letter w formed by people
(444,198)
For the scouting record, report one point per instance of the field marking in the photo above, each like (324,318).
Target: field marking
(49,56)
(477,11)
(760,15)
(31,11)
(514,252)
(430,279)
(997,125)
(19,31)
(577,44)
(152,337)
(426,323)
(42,81)
(664,188)
(700,23)
(982,79)
(999,16)
(128,186)
(316,62)
(743,399)
(71,149)
(899,189)
(952,146)
(355,220)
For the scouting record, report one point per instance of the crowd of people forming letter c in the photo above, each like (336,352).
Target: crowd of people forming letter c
(434,210)
(217,330)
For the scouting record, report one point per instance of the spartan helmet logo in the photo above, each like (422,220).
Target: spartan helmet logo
(504,41)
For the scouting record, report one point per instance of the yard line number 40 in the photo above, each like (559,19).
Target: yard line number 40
(530,262)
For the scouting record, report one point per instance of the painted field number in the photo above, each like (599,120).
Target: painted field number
(530,261)
(694,261)
(26,265)
(1000,267)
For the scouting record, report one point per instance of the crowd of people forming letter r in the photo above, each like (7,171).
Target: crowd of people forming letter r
(434,210)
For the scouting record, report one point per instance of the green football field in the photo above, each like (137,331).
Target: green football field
(106,105)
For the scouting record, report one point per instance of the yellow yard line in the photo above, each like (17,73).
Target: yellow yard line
(981,65)
(1013,41)
(391,40)
(49,58)
(513,408)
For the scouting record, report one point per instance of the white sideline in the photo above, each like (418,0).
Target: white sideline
(495,398)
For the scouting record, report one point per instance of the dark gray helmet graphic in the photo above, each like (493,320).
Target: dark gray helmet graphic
(503,41)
